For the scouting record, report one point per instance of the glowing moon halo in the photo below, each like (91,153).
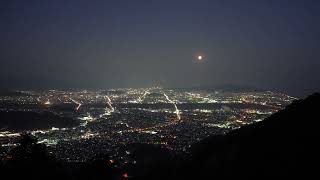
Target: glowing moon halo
(199,57)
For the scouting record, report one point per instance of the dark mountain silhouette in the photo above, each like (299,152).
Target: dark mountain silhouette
(224,88)
(283,145)
(23,120)
(8,92)
(31,160)
(151,160)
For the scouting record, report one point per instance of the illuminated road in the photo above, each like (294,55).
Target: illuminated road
(143,96)
(76,102)
(109,109)
(159,126)
(177,111)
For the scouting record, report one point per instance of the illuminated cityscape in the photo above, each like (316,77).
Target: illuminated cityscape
(159,90)
(105,121)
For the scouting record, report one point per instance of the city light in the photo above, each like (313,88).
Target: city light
(144,115)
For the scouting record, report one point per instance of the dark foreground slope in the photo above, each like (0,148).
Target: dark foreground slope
(283,145)
(31,160)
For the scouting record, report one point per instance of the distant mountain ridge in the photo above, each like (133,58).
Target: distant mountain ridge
(225,87)
(8,92)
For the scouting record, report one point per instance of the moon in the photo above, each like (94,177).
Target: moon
(199,57)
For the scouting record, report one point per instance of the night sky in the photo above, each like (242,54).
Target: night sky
(63,44)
